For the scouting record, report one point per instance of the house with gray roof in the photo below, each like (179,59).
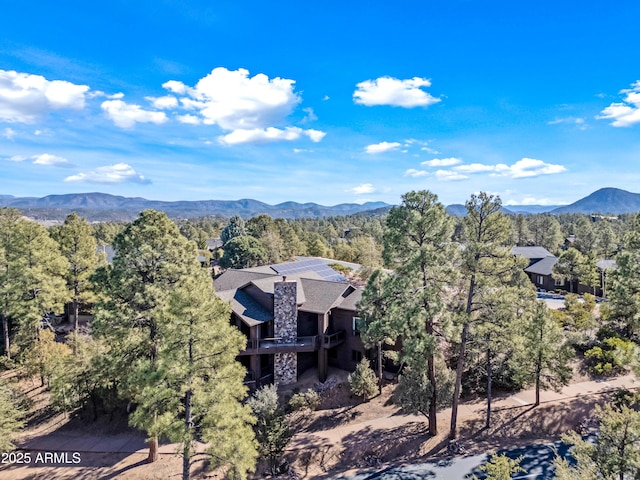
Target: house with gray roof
(540,268)
(295,316)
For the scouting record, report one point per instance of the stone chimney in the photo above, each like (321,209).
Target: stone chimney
(285,327)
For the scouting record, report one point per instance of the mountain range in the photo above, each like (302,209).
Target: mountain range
(105,207)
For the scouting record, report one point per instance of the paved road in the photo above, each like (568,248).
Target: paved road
(537,462)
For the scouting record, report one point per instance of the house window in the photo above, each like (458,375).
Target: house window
(356,355)
(540,280)
(355,326)
(559,282)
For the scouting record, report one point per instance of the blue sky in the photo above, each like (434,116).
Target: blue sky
(325,102)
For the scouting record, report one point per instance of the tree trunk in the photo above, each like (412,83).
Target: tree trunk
(433,409)
(489,378)
(380,367)
(76,308)
(537,390)
(458,385)
(186,450)
(5,332)
(153,450)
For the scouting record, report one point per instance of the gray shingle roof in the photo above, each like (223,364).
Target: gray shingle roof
(531,252)
(351,300)
(542,267)
(250,311)
(606,264)
(322,295)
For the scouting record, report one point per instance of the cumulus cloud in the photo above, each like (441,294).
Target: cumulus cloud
(189,119)
(448,175)
(531,200)
(163,103)
(363,189)
(233,100)
(442,162)
(475,168)
(109,174)
(627,112)
(51,160)
(16,158)
(249,108)
(24,97)
(526,167)
(126,115)
(392,91)
(412,172)
(268,135)
(381,147)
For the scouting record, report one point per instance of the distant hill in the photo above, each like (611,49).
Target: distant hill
(605,200)
(532,209)
(104,207)
(459,210)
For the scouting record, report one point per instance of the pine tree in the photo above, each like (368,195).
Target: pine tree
(362,382)
(172,345)
(79,247)
(501,467)
(10,417)
(488,270)
(615,453)
(417,246)
(543,358)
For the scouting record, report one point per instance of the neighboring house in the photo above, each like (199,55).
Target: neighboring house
(540,268)
(303,319)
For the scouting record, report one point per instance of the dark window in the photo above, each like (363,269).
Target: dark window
(355,326)
(356,355)
(333,353)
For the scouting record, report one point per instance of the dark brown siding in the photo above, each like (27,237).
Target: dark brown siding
(343,320)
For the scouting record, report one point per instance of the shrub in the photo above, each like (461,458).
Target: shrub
(363,382)
(611,357)
(308,400)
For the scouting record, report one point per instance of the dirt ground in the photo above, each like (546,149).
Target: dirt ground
(342,434)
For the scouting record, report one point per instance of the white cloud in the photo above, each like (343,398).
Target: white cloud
(392,91)
(127,115)
(381,147)
(268,135)
(627,112)
(189,119)
(24,97)
(8,133)
(161,103)
(442,162)
(234,101)
(17,158)
(118,173)
(363,189)
(474,168)
(412,172)
(101,94)
(528,167)
(579,122)
(448,175)
(310,117)
(51,160)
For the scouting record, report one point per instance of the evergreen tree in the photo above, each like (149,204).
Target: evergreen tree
(362,382)
(501,467)
(235,228)
(488,270)
(272,430)
(171,343)
(543,357)
(417,246)
(32,279)
(10,417)
(242,252)
(79,247)
(624,281)
(569,267)
(615,453)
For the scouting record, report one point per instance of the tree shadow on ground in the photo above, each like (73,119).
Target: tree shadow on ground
(525,423)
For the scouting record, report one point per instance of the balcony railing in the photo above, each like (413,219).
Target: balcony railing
(333,339)
(277,345)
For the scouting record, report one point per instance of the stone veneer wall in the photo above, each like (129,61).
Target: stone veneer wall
(285,326)
(285,368)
